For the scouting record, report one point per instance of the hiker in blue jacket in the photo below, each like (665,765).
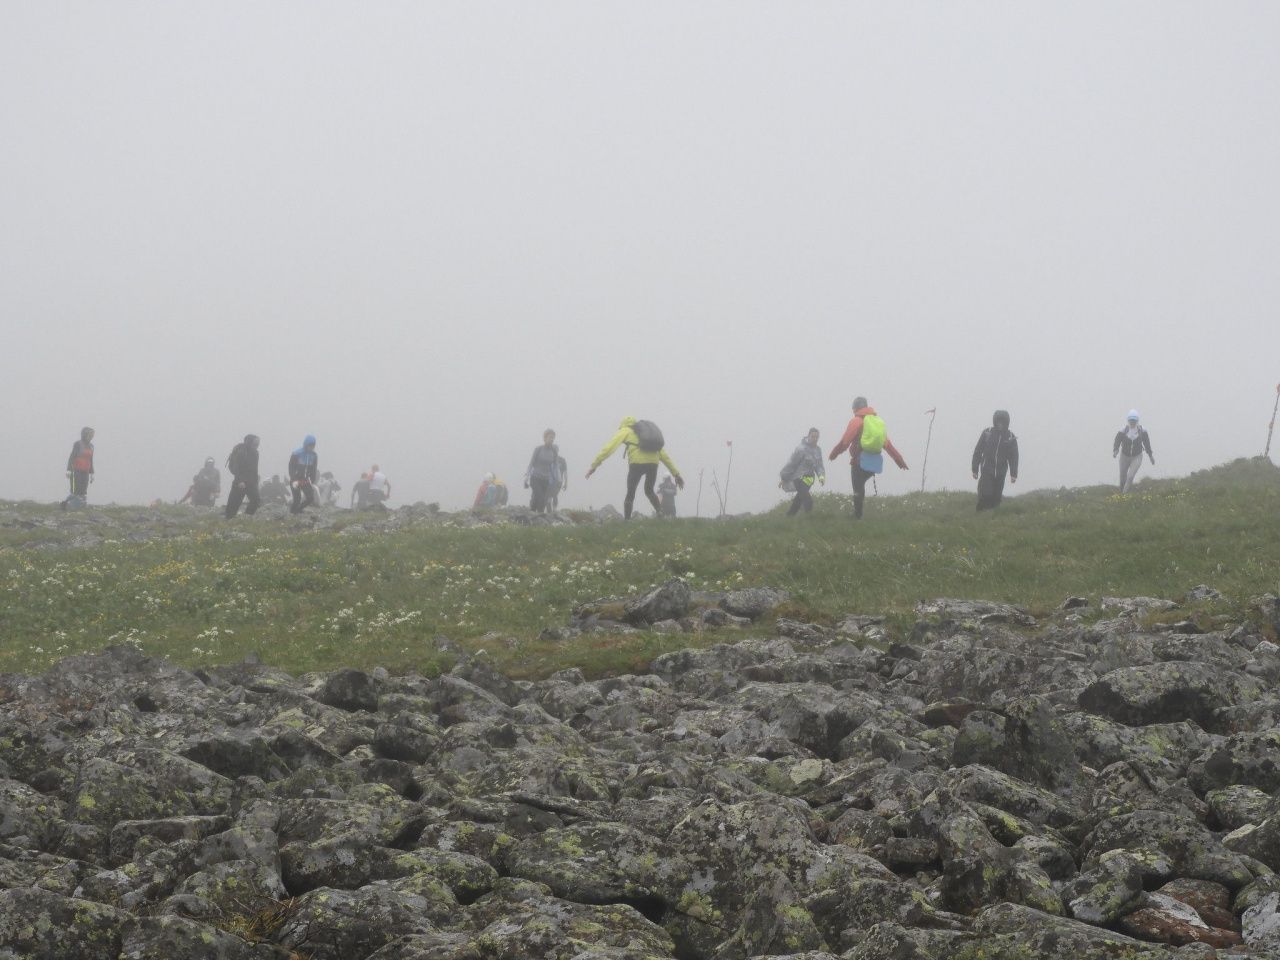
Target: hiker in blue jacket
(303,467)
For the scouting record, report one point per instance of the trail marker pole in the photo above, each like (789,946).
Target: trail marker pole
(728,475)
(697,509)
(1271,426)
(928,440)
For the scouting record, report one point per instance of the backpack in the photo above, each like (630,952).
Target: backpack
(500,493)
(235,461)
(873,434)
(649,435)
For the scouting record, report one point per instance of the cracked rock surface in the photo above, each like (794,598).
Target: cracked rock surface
(997,788)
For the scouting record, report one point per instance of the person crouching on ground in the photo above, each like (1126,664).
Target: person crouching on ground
(995,455)
(645,449)
(803,470)
(866,440)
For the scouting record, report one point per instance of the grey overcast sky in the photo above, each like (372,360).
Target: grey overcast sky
(425,231)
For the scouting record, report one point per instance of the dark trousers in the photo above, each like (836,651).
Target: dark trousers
(860,478)
(804,497)
(240,490)
(79,486)
(649,471)
(990,490)
(301,492)
(540,486)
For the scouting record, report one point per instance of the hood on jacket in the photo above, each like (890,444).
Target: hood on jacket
(627,422)
(309,441)
(1000,419)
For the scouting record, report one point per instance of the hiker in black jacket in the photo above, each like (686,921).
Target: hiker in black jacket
(243,464)
(1128,446)
(995,455)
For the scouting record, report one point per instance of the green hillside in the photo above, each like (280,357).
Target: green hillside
(307,599)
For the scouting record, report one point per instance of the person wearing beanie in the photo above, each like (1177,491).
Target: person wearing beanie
(243,464)
(867,441)
(995,455)
(1130,441)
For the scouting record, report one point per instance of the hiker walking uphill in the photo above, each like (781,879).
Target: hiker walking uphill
(80,470)
(867,441)
(303,473)
(543,473)
(243,464)
(1129,444)
(206,486)
(645,448)
(803,470)
(995,456)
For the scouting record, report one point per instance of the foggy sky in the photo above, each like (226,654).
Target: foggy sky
(427,231)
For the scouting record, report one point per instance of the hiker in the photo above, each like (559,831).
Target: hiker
(303,465)
(563,469)
(206,486)
(867,441)
(379,487)
(243,464)
(492,493)
(360,492)
(80,470)
(274,490)
(645,449)
(667,494)
(995,455)
(803,470)
(543,472)
(1129,444)
(328,488)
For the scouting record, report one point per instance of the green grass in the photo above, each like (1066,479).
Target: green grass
(318,600)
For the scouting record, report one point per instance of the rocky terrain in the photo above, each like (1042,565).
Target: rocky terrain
(997,788)
(45,528)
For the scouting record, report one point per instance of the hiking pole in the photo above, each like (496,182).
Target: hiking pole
(1271,426)
(924,467)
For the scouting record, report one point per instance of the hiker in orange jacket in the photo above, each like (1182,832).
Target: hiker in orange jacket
(864,462)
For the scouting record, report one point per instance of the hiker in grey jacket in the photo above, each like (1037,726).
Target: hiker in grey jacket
(805,467)
(543,474)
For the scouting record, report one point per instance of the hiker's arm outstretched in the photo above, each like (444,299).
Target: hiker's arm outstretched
(890,449)
(850,435)
(607,450)
(670,464)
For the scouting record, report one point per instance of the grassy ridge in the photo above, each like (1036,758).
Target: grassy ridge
(318,600)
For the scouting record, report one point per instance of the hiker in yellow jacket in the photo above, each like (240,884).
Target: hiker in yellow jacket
(645,450)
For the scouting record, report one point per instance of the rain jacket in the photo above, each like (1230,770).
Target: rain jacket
(304,464)
(851,440)
(806,461)
(81,459)
(627,435)
(996,453)
(1132,446)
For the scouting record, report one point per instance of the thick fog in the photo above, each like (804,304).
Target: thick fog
(426,231)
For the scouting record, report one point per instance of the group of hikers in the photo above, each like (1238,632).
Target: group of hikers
(995,460)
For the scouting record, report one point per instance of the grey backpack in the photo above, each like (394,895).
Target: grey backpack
(649,435)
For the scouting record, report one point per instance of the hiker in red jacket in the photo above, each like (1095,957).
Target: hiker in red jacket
(865,438)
